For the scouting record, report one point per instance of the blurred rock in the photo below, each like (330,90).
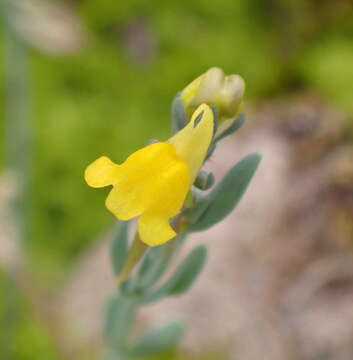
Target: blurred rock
(11,257)
(138,41)
(51,27)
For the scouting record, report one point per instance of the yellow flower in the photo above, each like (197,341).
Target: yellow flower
(153,182)
(214,88)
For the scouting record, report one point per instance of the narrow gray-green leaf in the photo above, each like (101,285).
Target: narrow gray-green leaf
(118,319)
(184,276)
(178,114)
(226,195)
(235,126)
(204,180)
(119,247)
(158,259)
(193,214)
(156,262)
(147,262)
(159,340)
(188,270)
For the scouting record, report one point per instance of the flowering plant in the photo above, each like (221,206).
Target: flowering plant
(163,186)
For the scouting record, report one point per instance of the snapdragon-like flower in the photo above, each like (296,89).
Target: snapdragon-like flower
(214,88)
(153,182)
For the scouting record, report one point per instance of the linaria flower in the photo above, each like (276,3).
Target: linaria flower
(152,183)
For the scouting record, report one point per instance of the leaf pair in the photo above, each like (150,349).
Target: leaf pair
(119,314)
(155,263)
(183,277)
(224,197)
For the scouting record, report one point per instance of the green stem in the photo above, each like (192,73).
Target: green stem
(136,252)
(123,306)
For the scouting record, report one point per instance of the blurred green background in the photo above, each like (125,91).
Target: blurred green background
(111,92)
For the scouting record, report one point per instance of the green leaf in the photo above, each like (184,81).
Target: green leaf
(205,180)
(134,255)
(154,265)
(227,194)
(178,114)
(159,340)
(119,247)
(193,214)
(188,270)
(237,124)
(157,261)
(184,276)
(118,319)
(147,261)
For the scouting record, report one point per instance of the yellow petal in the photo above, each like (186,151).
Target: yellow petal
(231,95)
(215,89)
(191,90)
(101,172)
(168,194)
(125,203)
(192,142)
(154,230)
(210,85)
(171,187)
(203,89)
(153,177)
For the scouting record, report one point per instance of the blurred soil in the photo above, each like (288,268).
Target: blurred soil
(279,279)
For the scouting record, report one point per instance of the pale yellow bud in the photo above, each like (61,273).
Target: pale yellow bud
(215,89)
(209,87)
(231,95)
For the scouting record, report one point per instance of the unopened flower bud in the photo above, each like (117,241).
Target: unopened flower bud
(215,89)
(231,95)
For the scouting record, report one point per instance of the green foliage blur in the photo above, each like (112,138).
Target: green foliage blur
(23,337)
